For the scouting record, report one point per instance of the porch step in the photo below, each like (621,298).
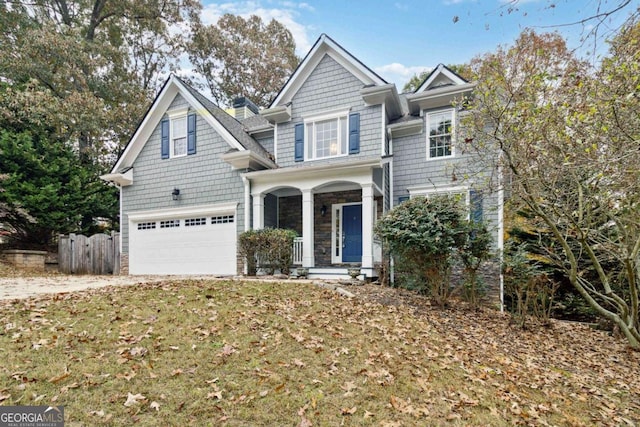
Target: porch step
(336,273)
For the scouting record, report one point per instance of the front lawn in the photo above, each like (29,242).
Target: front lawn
(289,354)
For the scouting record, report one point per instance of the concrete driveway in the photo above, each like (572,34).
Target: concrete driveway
(25,287)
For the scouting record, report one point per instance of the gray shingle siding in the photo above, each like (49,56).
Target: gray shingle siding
(267,143)
(411,168)
(203,178)
(331,87)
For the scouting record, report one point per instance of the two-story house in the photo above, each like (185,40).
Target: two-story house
(335,150)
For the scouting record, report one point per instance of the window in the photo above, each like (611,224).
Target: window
(222,219)
(440,135)
(191,222)
(470,198)
(179,136)
(327,138)
(146,225)
(326,135)
(172,223)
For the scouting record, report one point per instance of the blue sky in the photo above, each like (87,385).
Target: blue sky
(398,38)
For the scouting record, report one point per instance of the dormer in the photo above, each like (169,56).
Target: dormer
(441,87)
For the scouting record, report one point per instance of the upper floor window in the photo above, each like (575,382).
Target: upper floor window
(327,138)
(327,135)
(440,134)
(178,134)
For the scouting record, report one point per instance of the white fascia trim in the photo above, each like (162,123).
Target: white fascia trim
(324,46)
(153,117)
(177,112)
(215,124)
(440,69)
(334,113)
(432,189)
(159,214)
(437,97)
(146,128)
(410,127)
(310,169)
(121,179)
(355,67)
(277,114)
(243,159)
(427,190)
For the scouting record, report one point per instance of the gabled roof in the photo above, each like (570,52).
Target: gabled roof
(226,126)
(325,45)
(231,124)
(441,87)
(440,76)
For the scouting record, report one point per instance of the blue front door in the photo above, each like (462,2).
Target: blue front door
(352,233)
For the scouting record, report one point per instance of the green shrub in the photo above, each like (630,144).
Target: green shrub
(247,247)
(529,291)
(474,248)
(423,234)
(270,249)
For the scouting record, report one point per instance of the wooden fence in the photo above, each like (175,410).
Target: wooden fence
(98,254)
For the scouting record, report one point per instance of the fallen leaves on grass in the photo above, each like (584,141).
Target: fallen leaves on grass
(249,353)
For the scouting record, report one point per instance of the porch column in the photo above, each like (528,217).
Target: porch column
(258,211)
(367,226)
(308,259)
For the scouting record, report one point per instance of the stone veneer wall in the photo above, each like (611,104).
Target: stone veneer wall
(124,265)
(290,213)
(32,260)
(322,224)
(290,216)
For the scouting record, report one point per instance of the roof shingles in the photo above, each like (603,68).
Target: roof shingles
(233,126)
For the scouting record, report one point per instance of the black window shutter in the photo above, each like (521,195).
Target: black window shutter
(475,199)
(354,133)
(164,139)
(191,134)
(299,142)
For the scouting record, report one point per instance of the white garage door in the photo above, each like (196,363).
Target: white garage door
(194,243)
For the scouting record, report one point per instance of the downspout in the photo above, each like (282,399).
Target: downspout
(501,229)
(275,143)
(121,218)
(390,153)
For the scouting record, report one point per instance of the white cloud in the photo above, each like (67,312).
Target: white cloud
(286,13)
(398,73)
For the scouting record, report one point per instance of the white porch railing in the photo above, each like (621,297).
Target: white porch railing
(297,251)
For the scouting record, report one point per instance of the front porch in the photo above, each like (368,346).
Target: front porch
(332,215)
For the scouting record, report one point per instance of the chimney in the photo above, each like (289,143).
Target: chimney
(243,108)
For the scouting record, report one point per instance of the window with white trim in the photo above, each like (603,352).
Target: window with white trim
(460,194)
(327,137)
(172,223)
(440,131)
(179,136)
(146,225)
(192,222)
(222,219)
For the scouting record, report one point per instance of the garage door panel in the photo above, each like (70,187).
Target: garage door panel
(198,249)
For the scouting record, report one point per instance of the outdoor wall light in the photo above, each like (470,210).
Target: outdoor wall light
(175,193)
(323,210)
